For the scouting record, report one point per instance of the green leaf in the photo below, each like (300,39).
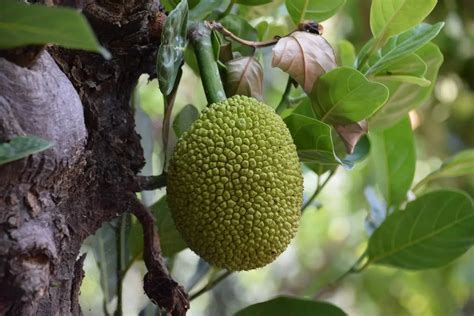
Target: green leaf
(135,239)
(22,24)
(242,29)
(104,247)
(170,239)
(394,157)
(301,10)
(405,97)
(285,306)
(432,231)
(344,95)
(203,9)
(312,138)
(170,4)
(252,2)
(184,119)
(461,164)
(410,65)
(22,146)
(170,55)
(392,17)
(346,52)
(398,47)
(314,143)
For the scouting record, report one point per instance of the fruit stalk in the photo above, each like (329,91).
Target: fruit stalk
(200,37)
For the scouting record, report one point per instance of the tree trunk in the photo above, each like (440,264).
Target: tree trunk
(51,201)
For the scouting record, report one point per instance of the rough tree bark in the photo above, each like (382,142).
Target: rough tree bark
(50,202)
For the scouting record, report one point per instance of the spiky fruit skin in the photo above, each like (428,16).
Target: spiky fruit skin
(235,186)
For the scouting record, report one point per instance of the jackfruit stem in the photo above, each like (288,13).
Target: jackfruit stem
(200,37)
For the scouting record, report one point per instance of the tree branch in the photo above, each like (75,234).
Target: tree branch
(158,284)
(148,183)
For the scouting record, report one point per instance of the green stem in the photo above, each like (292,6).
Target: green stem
(285,100)
(210,285)
(319,188)
(200,37)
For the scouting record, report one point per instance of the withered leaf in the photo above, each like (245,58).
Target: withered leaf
(351,133)
(305,57)
(244,76)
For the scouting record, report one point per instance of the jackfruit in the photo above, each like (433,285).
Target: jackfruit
(235,186)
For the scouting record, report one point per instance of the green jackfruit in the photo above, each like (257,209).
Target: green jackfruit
(235,187)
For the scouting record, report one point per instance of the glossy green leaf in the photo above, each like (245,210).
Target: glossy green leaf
(398,47)
(312,138)
(23,24)
(170,239)
(392,17)
(432,231)
(170,4)
(285,306)
(346,53)
(204,8)
(184,119)
(394,160)
(344,95)
(22,146)
(462,164)
(301,10)
(305,108)
(252,2)
(314,144)
(410,69)
(410,65)
(405,97)
(170,55)
(242,29)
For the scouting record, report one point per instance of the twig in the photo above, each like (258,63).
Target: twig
(319,188)
(353,269)
(158,284)
(149,183)
(216,26)
(210,285)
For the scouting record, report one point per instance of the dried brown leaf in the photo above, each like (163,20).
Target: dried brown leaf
(305,57)
(244,76)
(351,133)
